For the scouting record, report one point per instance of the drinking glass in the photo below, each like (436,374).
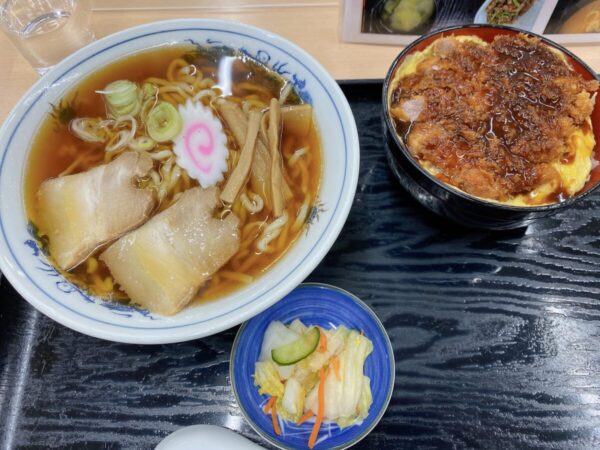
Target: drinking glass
(46,31)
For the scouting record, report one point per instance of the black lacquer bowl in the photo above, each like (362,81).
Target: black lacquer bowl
(453,203)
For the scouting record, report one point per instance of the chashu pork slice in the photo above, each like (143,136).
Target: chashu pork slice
(162,264)
(81,212)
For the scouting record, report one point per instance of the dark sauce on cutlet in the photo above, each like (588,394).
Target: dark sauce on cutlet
(402,129)
(568,158)
(526,67)
(560,195)
(495,131)
(586,127)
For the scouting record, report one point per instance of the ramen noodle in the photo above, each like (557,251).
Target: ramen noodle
(122,148)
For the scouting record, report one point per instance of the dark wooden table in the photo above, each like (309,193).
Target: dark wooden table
(496,336)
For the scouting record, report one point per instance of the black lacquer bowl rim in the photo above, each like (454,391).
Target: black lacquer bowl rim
(454,191)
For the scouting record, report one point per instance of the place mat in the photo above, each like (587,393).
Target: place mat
(495,336)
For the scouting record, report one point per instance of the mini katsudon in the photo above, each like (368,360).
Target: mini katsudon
(507,121)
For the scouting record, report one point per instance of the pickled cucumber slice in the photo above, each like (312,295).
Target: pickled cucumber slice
(297,350)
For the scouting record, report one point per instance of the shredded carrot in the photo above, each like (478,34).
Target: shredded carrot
(274,418)
(269,405)
(320,409)
(322,341)
(307,415)
(335,362)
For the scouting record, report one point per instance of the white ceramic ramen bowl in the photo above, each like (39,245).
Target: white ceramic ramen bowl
(27,269)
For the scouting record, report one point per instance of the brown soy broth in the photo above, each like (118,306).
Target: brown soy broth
(262,262)
(46,160)
(49,156)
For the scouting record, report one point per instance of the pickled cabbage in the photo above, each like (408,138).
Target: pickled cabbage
(277,334)
(343,396)
(292,403)
(340,361)
(267,379)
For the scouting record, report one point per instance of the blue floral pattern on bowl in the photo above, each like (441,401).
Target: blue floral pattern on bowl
(66,287)
(260,56)
(326,306)
(263,57)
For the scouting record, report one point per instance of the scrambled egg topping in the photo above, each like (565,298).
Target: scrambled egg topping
(573,173)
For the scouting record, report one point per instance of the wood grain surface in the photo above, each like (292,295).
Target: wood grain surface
(495,336)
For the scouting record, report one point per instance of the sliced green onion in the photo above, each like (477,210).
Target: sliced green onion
(161,154)
(149,90)
(123,137)
(147,105)
(163,122)
(122,98)
(119,140)
(107,123)
(132,124)
(88,129)
(142,143)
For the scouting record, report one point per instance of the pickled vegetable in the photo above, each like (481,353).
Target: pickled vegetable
(297,350)
(406,15)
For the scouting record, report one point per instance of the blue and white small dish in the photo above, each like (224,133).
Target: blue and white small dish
(325,306)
